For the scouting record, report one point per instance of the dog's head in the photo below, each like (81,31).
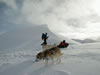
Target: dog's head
(39,56)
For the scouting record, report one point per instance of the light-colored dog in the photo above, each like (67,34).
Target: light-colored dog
(51,53)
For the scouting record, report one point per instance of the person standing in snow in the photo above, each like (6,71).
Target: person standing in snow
(44,38)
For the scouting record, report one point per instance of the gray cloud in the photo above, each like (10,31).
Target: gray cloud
(19,3)
(64,15)
(43,11)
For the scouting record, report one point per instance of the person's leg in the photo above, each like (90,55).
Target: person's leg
(45,42)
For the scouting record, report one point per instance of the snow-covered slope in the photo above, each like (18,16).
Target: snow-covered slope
(19,47)
(76,61)
(27,37)
(21,41)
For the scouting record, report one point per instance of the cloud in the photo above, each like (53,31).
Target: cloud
(10,15)
(10,3)
(61,16)
(45,11)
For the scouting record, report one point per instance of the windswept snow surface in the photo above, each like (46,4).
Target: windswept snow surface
(18,49)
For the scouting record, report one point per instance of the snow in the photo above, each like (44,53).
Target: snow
(18,49)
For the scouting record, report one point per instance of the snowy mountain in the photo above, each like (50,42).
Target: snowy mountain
(18,49)
(25,38)
(28,37)
(85,41)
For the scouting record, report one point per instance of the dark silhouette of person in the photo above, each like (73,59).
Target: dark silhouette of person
(44,38)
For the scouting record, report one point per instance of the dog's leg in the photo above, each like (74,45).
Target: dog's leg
(52,59)
(46,60)
(58,58)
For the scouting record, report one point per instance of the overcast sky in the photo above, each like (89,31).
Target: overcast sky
(78,19)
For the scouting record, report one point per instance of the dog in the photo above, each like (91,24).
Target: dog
(51,53)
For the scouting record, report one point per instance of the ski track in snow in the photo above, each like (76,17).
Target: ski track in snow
(22,62)
(41,70)
(32,68)
(16,61)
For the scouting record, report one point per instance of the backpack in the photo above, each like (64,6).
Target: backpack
(43,36)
